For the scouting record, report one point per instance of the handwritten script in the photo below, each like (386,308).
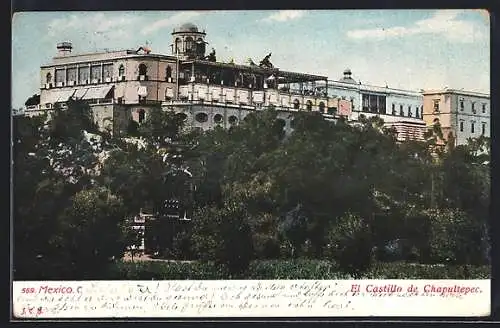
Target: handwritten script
(247,298)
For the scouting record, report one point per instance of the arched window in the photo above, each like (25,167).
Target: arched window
(168,72)
(201,117)
(296,104)
(189,44)
(322,107)
(218,118)
(143,69)
(49,78)
(309,105)
(200,45)
(121,70)
(232,119)
(178,45)
(142,115)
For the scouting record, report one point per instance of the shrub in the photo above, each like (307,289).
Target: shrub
(455,237)
(293,269)
(349,244)
(224,236)
(402,270)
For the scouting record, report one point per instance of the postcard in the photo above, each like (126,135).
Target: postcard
(228,164)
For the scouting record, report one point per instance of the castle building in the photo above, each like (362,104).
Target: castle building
(461,114)
(121,86)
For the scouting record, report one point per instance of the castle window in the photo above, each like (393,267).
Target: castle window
(189,44)
(142,115)
(201,117)
(393,109)
(178,45)
(484,108)
(461,104)
(232,119)
(83,74)
(483,128)
(417,113)
(309,105)
(121,70)
(409,111)
(374,103)
(436,105)
(49,78)
(322,107)
(472,126)
(218,118)
(296,104)
(401,111)
(143,69)
(200,46)
(60,75)
(107,70)
(95,73)
(168,73)
(461,126)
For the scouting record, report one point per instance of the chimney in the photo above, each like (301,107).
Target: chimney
(64,48)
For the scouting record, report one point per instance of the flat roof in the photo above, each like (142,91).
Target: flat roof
(292,76)
(456,91)
(102,56)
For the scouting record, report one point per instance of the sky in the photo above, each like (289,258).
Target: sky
(405,49)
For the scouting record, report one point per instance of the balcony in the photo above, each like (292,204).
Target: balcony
(234,96)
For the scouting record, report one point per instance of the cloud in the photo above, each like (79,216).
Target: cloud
(97,23)
(173,20)
(285,15)
(443,22)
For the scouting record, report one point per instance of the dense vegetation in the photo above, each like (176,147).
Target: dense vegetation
(348,198)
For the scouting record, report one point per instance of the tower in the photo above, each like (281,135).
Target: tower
(188,42)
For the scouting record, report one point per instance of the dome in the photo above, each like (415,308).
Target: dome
(187,27)
(347,77)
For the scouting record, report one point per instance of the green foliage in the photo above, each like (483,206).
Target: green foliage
(95,230)
(223,235)
(71,122)
(294,228)
(455,237)
(292,269)
(350,244)
(358,188)
(33,100)
(402,270)
(161,126)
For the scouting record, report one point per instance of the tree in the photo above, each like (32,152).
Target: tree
(94,231)
(454,237)
(161,127)
(223,235)
(294,228)
(33,100)
(350,245)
